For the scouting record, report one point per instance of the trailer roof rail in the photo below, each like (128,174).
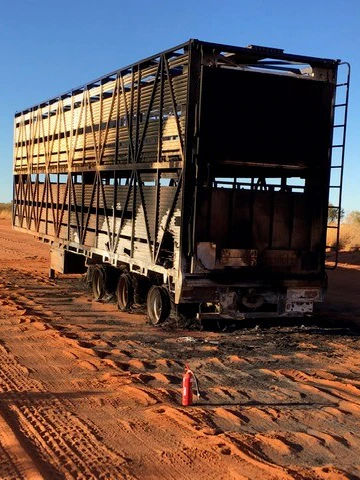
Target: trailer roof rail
(262,49)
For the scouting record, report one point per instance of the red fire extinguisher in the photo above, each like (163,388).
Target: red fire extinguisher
(187,392)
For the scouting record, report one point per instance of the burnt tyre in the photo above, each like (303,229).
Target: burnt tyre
(158,305)
(125,292)
(98,283)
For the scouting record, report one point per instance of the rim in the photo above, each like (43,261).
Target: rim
(123,292)
(97,290)
(157,305)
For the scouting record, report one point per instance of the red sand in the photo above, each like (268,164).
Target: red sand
(87,392)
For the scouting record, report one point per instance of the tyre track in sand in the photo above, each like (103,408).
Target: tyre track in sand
(66,446)
(166,463)
(15,463)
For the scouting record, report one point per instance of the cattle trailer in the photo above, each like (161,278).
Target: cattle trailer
(199,177)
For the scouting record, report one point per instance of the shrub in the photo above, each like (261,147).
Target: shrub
(5,210)
(353,217)
(349,239)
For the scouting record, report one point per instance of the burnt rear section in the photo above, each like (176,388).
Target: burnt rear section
(261,180)
(264,159)
(262,119)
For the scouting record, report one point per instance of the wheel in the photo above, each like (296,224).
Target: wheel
(158,305)
(125,292)
(98,283)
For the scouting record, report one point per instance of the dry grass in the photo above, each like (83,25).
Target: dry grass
(349,237)
(5,211)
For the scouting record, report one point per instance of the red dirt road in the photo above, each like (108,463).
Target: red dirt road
(87,392)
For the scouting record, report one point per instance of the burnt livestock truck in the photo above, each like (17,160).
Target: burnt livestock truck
(198,178)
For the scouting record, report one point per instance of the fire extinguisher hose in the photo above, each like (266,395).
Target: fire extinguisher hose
(196,385)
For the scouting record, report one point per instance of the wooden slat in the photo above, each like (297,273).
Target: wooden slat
(85,123)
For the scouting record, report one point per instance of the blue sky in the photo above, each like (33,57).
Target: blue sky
(50,47)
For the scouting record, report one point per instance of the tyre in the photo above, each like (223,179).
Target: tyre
(158,305)
(125,292)
(98,283)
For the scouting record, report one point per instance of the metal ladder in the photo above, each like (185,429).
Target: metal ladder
(337,163)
